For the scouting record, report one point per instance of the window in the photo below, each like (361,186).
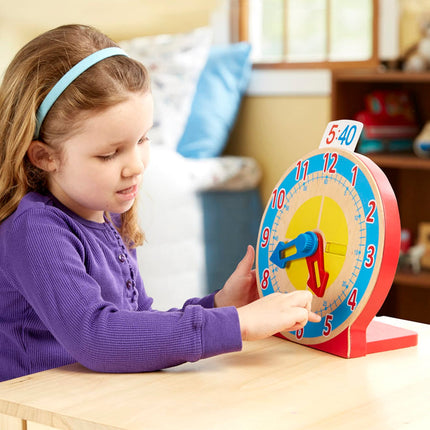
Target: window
(309,33)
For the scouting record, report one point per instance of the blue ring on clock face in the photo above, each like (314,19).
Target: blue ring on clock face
(364,191)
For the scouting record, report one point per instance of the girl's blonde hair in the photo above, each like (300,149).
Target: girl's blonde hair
(36,68)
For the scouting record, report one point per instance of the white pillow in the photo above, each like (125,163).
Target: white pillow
(175,62)
(172,259)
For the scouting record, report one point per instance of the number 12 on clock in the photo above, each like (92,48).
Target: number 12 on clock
(343,134)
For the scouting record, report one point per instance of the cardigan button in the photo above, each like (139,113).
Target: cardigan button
(122,258)
(130,284)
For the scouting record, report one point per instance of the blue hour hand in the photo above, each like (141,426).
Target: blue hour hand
(306,245)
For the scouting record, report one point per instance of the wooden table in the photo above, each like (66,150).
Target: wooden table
(271,384)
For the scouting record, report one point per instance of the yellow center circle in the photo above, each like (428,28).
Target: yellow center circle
(323,215)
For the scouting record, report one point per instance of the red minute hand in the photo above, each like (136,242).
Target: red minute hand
(317,258)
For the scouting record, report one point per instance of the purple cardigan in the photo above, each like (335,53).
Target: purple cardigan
(70,291)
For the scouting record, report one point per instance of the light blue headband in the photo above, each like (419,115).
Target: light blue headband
(68,78)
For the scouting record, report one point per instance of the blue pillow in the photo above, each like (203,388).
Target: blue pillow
(216,102)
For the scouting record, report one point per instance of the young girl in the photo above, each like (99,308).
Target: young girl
(75,113)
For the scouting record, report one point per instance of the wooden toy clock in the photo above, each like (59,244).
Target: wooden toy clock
(332,227)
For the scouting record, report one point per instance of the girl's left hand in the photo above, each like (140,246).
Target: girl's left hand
(241,288)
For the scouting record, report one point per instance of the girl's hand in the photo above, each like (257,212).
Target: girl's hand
(275,313)
(241,288)
(263,317)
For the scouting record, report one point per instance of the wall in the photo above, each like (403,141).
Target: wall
(21,20)
(277,131)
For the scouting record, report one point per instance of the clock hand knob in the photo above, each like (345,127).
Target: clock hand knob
(306,245)
(317,259)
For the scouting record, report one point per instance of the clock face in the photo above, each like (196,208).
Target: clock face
(323,231)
